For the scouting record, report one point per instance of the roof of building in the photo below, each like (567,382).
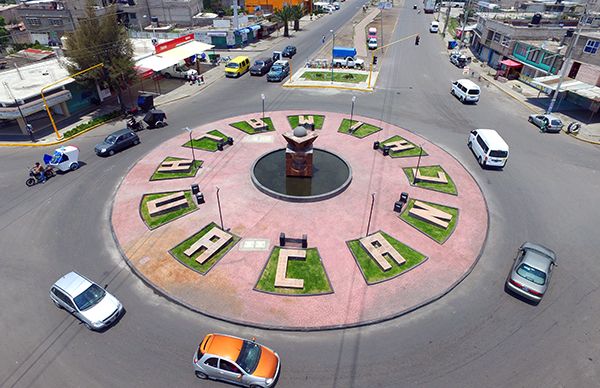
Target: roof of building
(27,81)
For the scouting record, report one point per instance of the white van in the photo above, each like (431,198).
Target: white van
(489,148)
(434,26)
(465,90)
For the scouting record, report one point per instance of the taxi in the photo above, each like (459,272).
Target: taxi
(236,360)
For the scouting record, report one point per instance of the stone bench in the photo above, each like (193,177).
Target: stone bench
(212,242)
(282,262)
(440,178)
(430,214)
(212,137)
(183,165)
(400,145)
(355,126)
(257,124)
(167,203)
(377,246)
(307,121)
(283,240)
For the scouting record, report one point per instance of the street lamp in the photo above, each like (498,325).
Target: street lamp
(332,52)
(189,130)
(352,111)
(219,205)
(262,97)
(370,213)
(418,164)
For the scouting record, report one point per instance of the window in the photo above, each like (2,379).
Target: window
(482,144)
(33,21)
(497,37)
(533,54)
(229,367)
(548,59)
(505,41)
(591,47)
(521,49)
(212,362)
(532,274)
(56,22)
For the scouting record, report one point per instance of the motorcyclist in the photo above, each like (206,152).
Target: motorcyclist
(417,38)
(39,171)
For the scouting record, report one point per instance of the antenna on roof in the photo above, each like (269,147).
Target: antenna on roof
(19,72)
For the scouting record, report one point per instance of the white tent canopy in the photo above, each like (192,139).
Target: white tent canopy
(158,62)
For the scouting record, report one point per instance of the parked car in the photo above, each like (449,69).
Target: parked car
(178,71)
(547,123)
(531,272)
(434,26)
(86,300)
(236,360)
(279,71)
(458,59)
(116,142)
(336,5)
(289,51)
(261,66)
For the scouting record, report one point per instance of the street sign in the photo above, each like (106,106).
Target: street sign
(388,6)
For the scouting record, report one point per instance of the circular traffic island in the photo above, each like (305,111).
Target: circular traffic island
(303,220)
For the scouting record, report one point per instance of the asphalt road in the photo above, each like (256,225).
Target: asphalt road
(475,336)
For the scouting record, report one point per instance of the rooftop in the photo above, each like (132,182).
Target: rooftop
(27,81)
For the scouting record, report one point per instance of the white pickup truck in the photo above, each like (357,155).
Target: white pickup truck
(351,62)
(178,71)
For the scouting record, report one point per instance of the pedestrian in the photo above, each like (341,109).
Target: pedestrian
(417,40)
(201,80)
(323,39)
(29,128)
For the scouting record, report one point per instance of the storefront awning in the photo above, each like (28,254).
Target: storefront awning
(510,63)
(158,62)
(255,27)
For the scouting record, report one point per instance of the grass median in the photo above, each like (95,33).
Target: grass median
(245,127)
(154,222)
(162,175)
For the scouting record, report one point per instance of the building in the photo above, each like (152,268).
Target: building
(496,35)
(9,13)
(46,21)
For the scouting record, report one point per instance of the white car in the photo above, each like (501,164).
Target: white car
(336,5)
(179,71)
(86,300)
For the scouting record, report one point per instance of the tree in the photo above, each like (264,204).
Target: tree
(284,15)
(297,14)
(101,39)
(4,34)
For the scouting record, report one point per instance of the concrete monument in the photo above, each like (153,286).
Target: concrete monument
(299,152)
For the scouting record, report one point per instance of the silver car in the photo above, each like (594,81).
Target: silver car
(531,272)
(86,300)
(547,123)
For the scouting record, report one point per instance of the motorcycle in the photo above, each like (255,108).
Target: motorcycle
(36,178)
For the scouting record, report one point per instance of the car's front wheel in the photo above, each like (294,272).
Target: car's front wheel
(201,375)
(530,120)
(56,304)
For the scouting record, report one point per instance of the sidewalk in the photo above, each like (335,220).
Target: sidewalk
(535,101)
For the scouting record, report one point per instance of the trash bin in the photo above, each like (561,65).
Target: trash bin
(451,44)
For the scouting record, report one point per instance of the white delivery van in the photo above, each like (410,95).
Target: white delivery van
(434,26)
(489,148)
(465,90)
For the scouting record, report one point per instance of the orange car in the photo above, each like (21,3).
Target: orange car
(240,361)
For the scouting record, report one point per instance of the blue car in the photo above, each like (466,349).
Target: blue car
(279,71)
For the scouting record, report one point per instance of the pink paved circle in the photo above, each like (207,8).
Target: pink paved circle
(227,291)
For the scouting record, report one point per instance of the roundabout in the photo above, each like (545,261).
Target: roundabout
(362,260)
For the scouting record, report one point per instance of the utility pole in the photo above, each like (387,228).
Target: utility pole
(567,62)
(462,32)
(447,19)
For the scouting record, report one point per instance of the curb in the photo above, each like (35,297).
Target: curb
(62,140)
(286,85)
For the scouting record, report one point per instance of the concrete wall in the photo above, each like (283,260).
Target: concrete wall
(173,12)
(580,56)
(589,74)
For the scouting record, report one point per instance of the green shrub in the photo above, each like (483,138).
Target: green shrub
(93,122)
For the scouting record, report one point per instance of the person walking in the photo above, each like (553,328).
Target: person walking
(29,129)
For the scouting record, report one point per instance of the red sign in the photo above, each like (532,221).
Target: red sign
(171,44)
